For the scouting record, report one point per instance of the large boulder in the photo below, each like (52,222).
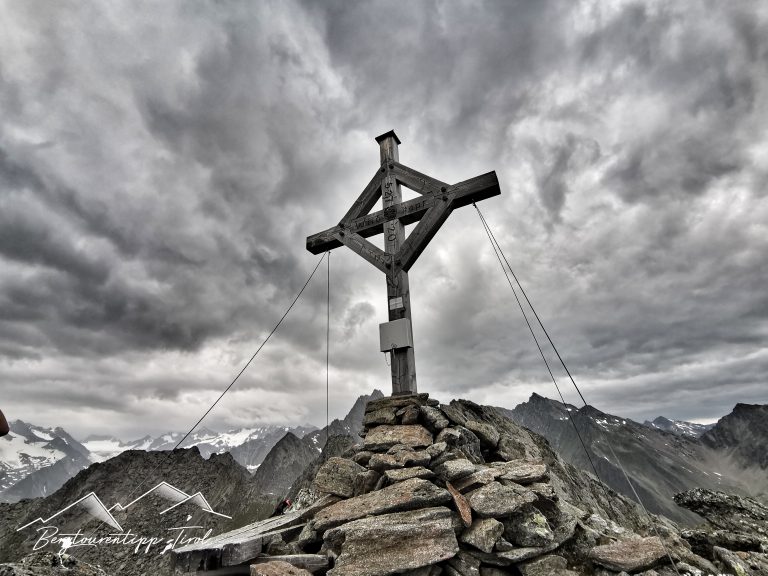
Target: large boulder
(454,469)
(380,416)
(395,402)
(481,477)
(496,500)
(381,438)
(406,495)
(488,434)
(433,418)
(398,459)
(521,471)
(392,543)
(464,441)
(337,476)
(633,555)
(546,566)
(483,534)
(393,476)
(463,564)
(528,527)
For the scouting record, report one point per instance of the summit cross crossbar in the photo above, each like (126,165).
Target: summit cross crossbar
(436,202)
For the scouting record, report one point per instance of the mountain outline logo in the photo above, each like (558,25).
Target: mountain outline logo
(93,505)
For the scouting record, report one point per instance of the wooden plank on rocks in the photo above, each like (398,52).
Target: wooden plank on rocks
(237,546)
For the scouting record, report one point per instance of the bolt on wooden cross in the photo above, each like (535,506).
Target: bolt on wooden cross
(430,210)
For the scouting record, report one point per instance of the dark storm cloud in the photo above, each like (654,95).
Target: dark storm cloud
(156,190)
(226,227)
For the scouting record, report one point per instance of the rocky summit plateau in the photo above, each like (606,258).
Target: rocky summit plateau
(461,490)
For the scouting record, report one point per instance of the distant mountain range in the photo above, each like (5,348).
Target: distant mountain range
(36,461)
(241,443)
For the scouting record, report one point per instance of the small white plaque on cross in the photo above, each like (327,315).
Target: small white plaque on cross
(396,303)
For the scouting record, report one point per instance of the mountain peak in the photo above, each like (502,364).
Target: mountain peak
(678,427)
(591,411)
(744,433)
(741,408)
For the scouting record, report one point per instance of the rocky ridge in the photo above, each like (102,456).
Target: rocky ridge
(735,533)
(660,463)
(455,490)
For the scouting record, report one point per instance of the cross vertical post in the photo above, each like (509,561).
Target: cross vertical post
(403,360)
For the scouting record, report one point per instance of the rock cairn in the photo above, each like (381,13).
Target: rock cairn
(459,490)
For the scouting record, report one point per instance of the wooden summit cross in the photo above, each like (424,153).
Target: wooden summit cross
(430,210)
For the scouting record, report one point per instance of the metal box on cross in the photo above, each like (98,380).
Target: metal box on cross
(435,203)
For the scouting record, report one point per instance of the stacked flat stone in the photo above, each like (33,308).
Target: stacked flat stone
(439,490)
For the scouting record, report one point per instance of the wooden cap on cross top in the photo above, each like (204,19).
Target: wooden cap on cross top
(386,135)
(388,143)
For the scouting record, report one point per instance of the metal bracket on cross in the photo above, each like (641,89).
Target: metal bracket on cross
(436,202)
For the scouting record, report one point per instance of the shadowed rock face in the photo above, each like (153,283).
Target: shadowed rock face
(284,463)
(349,426)
(742,434)
(292,462)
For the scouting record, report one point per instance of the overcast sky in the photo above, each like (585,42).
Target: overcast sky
(162,163)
